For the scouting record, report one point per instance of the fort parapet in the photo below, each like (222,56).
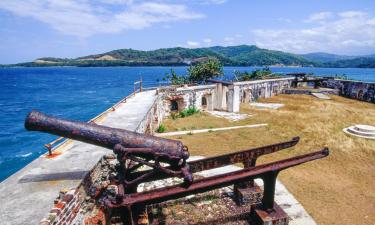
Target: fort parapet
(363,91)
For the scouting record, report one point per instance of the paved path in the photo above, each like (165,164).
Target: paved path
(209,130)
(27,196)
(321,96)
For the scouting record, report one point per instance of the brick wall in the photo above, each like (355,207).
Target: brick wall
(75,206)
(65,210)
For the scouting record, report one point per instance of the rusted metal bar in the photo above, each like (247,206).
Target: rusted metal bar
(206,184)
(250,155)
(227,159)
(49,148)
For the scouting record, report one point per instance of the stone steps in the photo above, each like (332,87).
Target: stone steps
(363,131)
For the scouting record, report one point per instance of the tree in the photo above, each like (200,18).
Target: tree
(175,79)
(203,71)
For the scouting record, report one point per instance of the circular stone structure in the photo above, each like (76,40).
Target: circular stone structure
(363,131)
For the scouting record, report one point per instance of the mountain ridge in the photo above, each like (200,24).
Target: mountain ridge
(240,55)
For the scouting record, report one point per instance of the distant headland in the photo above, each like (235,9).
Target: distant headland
(241,55)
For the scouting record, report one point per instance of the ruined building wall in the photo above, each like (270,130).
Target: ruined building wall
(226,97)
(153,117)
(182,98)
(252,90)
(363,91)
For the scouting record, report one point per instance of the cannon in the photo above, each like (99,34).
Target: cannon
(132,149)
(168,158)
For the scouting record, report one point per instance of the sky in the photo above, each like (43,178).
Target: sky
(31,29)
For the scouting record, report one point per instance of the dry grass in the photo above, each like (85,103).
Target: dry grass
(339,189)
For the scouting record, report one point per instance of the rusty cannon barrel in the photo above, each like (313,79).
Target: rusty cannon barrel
(169,151)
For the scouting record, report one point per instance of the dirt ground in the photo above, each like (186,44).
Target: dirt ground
(339,189)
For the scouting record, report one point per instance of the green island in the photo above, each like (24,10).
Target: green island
(241,55)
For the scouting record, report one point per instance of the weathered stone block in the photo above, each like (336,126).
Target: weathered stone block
(247,195)
(56,210)
(52,217)
(44,222)
(275,216)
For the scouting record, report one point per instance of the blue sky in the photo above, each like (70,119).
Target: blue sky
(70,28)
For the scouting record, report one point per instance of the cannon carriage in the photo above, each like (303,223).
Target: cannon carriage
(168,158)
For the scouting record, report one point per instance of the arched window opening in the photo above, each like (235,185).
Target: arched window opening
(174,105)
(204,101)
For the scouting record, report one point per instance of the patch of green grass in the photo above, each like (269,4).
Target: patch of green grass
(161,128)
(188,112)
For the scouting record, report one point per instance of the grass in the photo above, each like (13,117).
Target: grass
(161,128)
(341,184)
(188,112)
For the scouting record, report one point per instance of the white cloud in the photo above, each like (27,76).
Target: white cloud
(217,2)
(351,32)
(116,2)
(207,40)
(86,18)
(319,17)
(229,41)
(352,14)
(193,44)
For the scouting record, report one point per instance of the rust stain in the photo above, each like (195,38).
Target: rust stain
(53,155)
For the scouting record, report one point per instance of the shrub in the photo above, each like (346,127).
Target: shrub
(189,111)
(175,79)
(257,74)
(161,128)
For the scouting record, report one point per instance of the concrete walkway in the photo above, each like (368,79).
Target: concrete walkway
(27,196)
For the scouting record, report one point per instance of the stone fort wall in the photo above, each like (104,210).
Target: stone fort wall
(363,91)
(222,96)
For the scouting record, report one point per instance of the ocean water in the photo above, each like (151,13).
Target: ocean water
(81,94)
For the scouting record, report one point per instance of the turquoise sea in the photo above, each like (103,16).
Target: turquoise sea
(82,93)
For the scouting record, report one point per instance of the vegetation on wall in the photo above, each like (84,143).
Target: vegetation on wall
(257,74)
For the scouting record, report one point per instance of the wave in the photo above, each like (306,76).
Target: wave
(24,155)
(89,92)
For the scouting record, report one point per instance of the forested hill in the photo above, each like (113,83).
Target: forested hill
(242,55)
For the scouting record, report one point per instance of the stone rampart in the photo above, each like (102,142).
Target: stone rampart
(363,91)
